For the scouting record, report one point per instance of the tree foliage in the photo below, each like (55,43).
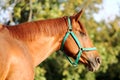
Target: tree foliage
(106,37)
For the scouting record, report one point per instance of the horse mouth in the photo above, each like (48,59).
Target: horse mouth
(92,66)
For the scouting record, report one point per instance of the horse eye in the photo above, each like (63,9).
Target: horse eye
(82,33)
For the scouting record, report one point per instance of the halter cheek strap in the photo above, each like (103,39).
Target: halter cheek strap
(81,49)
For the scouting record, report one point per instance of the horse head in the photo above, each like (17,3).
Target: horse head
(78,45)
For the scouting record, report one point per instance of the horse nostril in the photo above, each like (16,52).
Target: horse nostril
(98,60)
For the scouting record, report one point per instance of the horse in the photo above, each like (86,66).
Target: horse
(26,45)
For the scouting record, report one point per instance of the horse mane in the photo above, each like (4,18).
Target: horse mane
(28,30)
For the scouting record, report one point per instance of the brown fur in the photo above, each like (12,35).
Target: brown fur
(28,30)
(24,46)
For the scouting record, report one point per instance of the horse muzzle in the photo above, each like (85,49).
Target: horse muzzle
(94,64)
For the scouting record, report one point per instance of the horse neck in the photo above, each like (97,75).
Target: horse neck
(44,40)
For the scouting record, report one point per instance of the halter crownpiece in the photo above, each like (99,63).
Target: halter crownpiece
(81,49)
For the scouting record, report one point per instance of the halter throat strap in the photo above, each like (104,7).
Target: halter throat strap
(80,50)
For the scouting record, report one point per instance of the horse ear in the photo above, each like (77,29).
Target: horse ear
(78,15)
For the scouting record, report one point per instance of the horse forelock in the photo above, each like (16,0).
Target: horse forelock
(31,30)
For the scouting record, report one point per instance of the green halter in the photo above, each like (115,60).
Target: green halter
(81,49)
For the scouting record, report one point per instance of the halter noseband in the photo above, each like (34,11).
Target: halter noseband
(81,49)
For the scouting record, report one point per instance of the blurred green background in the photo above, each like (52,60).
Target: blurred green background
(105,36)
